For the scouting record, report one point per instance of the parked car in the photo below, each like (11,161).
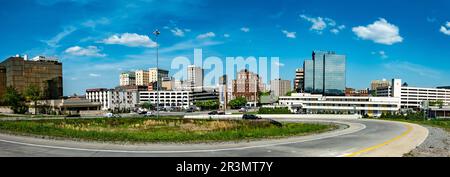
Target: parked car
(149,114)
(250,117)
(190,110)
(111,115)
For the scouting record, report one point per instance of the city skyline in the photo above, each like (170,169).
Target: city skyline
(108,38)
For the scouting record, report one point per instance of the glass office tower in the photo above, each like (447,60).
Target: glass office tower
(334,75)
(325,74)
(308,68)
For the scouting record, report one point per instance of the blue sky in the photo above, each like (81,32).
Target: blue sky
(96,40)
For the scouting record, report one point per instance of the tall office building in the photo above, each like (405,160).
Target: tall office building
(43,72)
(127,79)
(325,74)
(280,87)
(195,77)
(142,77)
(299,80)
(155,76)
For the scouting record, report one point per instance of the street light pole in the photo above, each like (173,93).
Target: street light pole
(156,33)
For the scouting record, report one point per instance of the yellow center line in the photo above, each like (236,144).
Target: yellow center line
(410,128)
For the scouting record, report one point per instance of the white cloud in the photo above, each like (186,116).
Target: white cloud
(446,29)
(94,23)
(245,29)
(318,24)
(226,35)
(382,54)
(206,35)
(94,75)
(338,29)
(90,51)
(334,30)
(289,34)
(130,40)
(380,31)
(53,42)
(177,32)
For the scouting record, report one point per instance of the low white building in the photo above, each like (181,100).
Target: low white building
(178,99)
(413,97)
(318,104)
(112,99)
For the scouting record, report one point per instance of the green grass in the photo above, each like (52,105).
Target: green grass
(162,130)
(440,123)
(242,113)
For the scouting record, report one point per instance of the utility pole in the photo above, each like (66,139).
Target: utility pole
(156,33)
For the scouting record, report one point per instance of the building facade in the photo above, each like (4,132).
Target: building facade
(354,92)
(413,97)
(195,78)
(112,99)
(156,75)
(377,84)
(299,80)
(2,80)
(318,104)
(142,78)
(176,99)
(43,72)
(280,87)
(127,79)
(247,85)
(325,74)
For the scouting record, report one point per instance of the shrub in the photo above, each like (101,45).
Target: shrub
(274,111)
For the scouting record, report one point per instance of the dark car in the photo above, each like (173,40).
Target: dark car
(213,113)
(250,117)
(73,115)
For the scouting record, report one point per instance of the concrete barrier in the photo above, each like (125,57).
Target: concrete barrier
(278,116)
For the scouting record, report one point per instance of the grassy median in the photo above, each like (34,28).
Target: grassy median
(162,130)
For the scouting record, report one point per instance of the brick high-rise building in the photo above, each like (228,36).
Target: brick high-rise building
(43,72)
(247,84)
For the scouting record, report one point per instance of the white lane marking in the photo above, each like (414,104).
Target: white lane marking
(187,151)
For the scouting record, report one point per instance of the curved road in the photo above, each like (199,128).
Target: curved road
(361,138)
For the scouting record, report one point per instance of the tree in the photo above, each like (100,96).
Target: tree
(33,94)
(290,93)
(147,105)
(238,102)
(208,104)
(15,100)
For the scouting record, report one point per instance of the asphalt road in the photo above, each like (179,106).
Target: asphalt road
(361,138)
